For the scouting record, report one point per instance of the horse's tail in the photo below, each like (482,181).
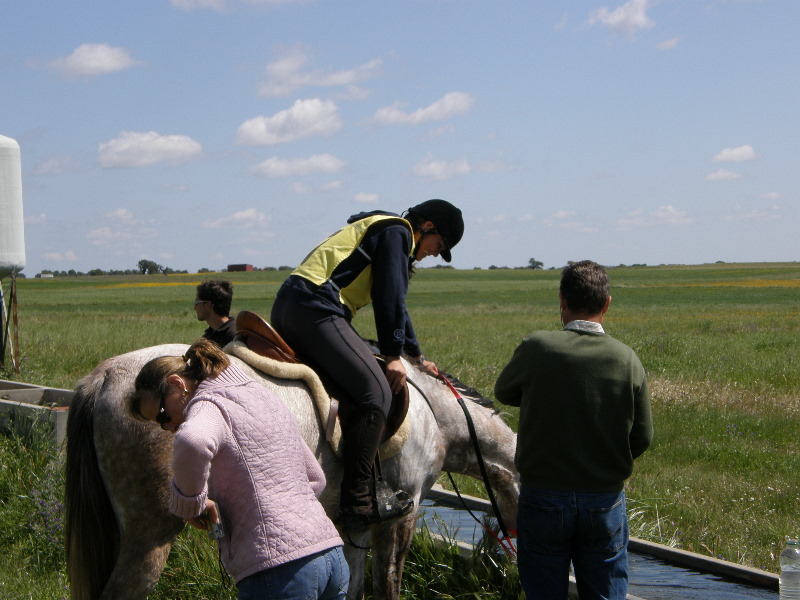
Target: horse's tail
(91,531)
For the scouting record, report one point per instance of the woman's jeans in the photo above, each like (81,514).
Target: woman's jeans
(321,576)
(591,530)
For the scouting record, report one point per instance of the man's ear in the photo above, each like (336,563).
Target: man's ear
(606,305)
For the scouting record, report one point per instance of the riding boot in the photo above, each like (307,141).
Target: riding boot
(362,435)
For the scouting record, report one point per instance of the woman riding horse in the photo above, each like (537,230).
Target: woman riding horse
(369,260)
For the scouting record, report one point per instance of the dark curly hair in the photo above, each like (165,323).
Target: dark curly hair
(585,287)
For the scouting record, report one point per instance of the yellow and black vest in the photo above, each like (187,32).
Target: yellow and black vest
(321,263)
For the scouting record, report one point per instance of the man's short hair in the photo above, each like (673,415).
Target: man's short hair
(219,292)
(585,287)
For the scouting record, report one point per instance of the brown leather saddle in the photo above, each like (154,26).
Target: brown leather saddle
(260,337)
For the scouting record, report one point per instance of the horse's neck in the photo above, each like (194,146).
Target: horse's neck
(497,440)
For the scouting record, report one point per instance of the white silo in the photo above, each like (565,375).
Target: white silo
(12,233)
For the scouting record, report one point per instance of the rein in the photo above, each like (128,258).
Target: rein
(505,542)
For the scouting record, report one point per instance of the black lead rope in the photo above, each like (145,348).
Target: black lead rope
(479,455)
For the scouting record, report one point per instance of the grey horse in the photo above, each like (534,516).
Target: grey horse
(119,530)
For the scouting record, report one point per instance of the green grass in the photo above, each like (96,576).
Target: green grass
(719,343)
(31,517)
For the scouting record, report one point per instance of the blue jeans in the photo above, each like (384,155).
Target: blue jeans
(591,530)
(321,576)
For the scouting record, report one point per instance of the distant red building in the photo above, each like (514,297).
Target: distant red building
(240,267)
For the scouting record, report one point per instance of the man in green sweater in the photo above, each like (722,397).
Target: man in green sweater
(584,416)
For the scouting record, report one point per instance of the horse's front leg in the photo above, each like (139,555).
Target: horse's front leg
(355,552)
(390,544)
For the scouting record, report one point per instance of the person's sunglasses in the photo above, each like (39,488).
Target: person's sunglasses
(196,302)
(162,418)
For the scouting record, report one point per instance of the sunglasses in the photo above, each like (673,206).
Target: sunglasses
(196,302)
(162,418)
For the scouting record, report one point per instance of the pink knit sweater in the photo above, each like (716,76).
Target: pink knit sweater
(241,447)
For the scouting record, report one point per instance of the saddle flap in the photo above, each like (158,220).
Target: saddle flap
(260,337)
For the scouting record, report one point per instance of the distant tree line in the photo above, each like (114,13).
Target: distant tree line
(150,267)
(143,267)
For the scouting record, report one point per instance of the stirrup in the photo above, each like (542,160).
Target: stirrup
(391,504)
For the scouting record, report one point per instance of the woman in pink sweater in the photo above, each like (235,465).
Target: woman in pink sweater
(236,442)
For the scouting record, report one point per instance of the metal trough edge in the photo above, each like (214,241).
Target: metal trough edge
(674,556)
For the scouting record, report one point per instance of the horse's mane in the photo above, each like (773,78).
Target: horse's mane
(467,392)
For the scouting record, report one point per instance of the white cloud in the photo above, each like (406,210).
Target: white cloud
(56,166)
(335,184)
(766,214)
(769,196)
(366,198)
(304,119)
(634,218)
(579,226)
(663,215)
(121,215)
(286,74)
(105,236)
(738,154)
(438,132)
(625,19)
(189,5)
(441,169)
(69,255)
(243,219)
(563,214)
(451,104)
(224,5)
(670,44)
(671,216)
(723,175)
(299,187)
(90,60)
(318,163)
(139,149)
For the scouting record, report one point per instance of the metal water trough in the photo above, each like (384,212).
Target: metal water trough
(23,404)
(680,559)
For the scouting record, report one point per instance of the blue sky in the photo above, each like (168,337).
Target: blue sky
(199,133)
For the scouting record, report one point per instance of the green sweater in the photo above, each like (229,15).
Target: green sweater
(584,410)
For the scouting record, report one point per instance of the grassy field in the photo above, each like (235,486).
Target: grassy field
(719,342)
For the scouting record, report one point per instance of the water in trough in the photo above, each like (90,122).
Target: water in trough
(649,578)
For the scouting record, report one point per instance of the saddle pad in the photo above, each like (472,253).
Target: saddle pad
(299,371)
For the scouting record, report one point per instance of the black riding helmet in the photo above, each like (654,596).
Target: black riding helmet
(447,219)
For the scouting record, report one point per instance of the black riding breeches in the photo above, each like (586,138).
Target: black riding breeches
(329,343)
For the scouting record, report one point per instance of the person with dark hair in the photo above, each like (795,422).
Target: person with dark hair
(212,304)
(369,260)
(275,539)
(584,417)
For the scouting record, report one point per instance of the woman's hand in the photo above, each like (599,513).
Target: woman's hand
(395,373)
(428,366)
(423,364)
(211,513)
